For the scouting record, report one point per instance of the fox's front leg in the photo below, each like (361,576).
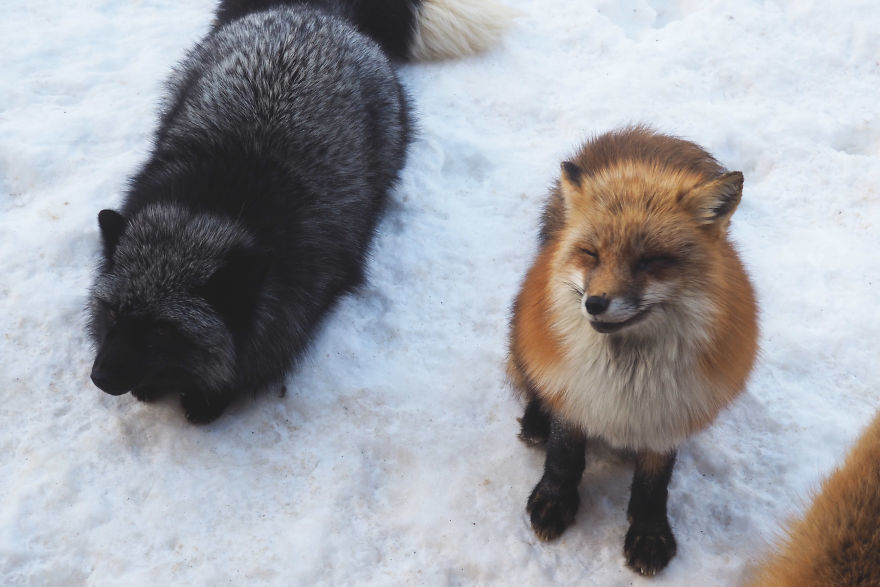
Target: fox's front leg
(148,393)
(649,543)
(535,423)
(203,406)
(554,501)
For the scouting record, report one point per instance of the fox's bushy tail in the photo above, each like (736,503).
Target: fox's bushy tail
(418,30)
(447,29)
(837,542)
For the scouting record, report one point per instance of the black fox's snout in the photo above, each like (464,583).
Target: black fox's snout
(105,382)
(117,368)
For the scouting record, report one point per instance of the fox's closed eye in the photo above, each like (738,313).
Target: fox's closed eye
(655,262)
(589,252)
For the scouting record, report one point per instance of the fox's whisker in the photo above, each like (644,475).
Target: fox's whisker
(574,287)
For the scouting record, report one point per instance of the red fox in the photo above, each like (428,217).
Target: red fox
(636,323)
(838,541)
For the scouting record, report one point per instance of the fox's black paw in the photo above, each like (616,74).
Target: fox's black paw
(534,425)
(200,408)
(552,507)
(648,548)
(147,394)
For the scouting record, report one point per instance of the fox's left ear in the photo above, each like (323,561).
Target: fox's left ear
(570,183)
(112,224)
(715,201)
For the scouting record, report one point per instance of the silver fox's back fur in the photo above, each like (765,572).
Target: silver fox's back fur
(282,132)
(300,86)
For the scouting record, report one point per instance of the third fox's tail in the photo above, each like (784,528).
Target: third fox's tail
(836,542)
(406,29)
(446,29)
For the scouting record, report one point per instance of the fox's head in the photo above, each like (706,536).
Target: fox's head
(174,291)
(640,240)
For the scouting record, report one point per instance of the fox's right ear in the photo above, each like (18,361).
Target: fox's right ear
(715,201)
(234,287)
(112,224)
(570,183)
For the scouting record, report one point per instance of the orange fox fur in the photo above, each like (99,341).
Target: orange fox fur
(838,541)
(636,323)
(640,219)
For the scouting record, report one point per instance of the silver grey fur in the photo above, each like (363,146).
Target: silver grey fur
(281,135)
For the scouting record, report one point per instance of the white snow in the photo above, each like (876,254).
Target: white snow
(393,459)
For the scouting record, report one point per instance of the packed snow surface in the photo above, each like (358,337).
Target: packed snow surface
(393,458)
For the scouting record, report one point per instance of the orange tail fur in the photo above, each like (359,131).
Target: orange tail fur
(838,541)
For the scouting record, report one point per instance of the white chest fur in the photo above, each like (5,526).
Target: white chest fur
(638,389)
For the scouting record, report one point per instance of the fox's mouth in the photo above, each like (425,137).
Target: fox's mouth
(108,384)
(113,387)
(610,327)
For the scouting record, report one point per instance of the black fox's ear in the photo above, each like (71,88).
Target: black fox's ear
(570,183)
(715,201)
(234,286)
(112,224)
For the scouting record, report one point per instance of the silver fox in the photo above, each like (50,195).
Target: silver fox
(282,132)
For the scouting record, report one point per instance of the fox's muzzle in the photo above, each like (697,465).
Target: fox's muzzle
(596,304)
(106,383)
(118,368)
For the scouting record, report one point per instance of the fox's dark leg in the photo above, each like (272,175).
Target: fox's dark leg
(202,406)
(535,423)
(554,501)
(649,543)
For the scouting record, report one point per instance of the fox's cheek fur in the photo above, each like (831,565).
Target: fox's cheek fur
(658,292)
(203,356)
(214,366)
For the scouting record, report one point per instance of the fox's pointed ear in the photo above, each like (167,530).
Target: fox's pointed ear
(233,288)
(112,224)
(570,183)
(715,201)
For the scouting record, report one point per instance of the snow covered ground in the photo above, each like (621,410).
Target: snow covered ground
(393,458)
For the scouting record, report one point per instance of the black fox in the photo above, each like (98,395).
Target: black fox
(282,132)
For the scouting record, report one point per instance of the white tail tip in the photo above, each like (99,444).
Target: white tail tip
(455,28)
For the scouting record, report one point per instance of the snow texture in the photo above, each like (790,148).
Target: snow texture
(393,458)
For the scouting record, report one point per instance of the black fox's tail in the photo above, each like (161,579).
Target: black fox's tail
(406,29)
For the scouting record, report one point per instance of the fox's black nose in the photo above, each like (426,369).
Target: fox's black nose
(597,304)
(105,383)
(99,379)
